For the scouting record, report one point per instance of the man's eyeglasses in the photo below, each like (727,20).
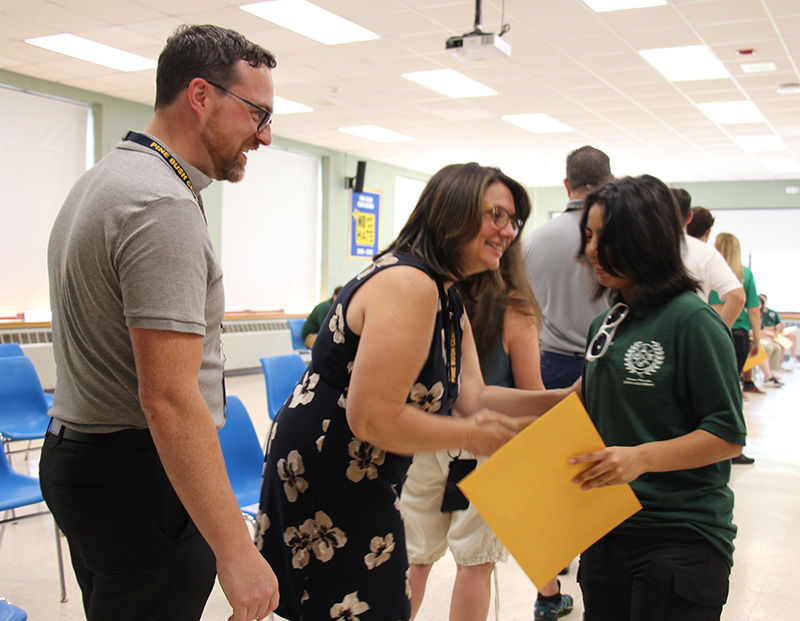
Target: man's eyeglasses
(265,120)
(605,335)
(501,217)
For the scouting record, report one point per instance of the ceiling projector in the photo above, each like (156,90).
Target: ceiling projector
(475,46)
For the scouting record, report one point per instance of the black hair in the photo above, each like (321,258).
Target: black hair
(641,238)
(701,222)
(450,213)
(684,202)
(204,51)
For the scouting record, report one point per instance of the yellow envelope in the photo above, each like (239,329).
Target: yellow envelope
(526,495)
(782,340)
(753,361)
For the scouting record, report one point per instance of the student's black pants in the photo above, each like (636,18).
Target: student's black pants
(741,345)
(662,575)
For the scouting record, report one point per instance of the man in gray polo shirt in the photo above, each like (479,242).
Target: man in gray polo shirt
(132,468)
(564,285)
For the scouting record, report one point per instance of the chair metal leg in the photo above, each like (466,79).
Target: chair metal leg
(60,564)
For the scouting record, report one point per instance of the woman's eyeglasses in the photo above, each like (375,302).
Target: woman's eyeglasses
(501,218)
(605,335)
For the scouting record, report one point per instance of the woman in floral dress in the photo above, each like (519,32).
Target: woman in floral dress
(390,356)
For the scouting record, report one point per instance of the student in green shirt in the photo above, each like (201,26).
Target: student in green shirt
(661,385)
(316,318)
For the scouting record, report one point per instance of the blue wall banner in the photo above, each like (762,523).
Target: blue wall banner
(365,211)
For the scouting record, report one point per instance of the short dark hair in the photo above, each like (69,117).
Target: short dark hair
(641,238)
(684,201)
(701,222)
(588,167)
(204,51)
(450,213)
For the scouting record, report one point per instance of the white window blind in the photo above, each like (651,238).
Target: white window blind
(406,194)
(43,151)
(770,247)
(270,233)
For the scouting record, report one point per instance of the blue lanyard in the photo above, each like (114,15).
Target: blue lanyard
(168,157)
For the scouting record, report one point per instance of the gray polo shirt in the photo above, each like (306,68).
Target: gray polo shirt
(563,284)
(129,249)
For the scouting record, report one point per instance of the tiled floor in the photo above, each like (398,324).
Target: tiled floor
(764,583)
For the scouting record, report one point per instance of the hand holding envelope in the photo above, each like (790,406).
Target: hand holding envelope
(526,494)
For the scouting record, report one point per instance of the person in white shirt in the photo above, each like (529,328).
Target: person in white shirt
(706,265)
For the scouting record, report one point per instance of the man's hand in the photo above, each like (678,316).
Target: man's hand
(250,587)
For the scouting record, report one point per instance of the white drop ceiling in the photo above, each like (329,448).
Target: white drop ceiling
(579,67)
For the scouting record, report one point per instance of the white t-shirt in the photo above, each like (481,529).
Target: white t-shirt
(706,265)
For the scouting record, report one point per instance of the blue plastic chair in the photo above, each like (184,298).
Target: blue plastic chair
(10,349)
(10,612)
(244,459)
(281,374)
(23,405)
(19,490)
(296,330)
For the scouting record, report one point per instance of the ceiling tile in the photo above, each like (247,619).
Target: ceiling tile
(567,61)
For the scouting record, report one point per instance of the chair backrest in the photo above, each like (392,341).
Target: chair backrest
(296,329)
(20,389)
(10,349)
(281,374)
(9,612)
(241,449)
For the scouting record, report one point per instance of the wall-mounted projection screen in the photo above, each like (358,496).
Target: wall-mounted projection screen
(770,247)
(270,240)
(406,194)
(43,151)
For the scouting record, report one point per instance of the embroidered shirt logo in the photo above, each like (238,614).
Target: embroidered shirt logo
(642,360)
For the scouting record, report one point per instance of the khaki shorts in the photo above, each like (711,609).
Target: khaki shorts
(429,531)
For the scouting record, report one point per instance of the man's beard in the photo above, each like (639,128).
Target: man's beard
(226,168)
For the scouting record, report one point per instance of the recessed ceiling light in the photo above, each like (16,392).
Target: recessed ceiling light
(786,165)
(789,89)
(759,67)
(538,123)
(761,143)
(602,6)
(310,21)
(375,133)
(731,112)
(450,82)
(287,106)
(793,189)
(690,62)
(90,51)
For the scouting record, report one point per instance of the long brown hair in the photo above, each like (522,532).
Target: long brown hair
(487,295)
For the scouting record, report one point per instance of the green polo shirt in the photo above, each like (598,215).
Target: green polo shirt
(769,319)
(749,284)
(314,321)
(669,371)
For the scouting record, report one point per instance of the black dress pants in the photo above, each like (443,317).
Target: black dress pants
(135,551)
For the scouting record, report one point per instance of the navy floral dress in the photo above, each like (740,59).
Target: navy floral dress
(329,523)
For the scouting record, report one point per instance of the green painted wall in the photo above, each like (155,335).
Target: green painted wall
(711,195)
